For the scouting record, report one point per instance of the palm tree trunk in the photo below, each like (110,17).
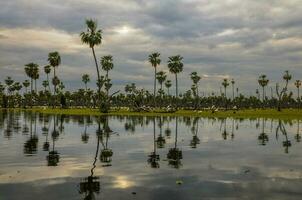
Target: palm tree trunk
(48,82)
(233,91)
(176,130)
(35,85)
(97,70)
(107,90)
(298,97)
(54,75)
(176,85)
(154,92)
(263,94)
(31,92)
(31,85)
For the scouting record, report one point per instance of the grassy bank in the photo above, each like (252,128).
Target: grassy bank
(253,113)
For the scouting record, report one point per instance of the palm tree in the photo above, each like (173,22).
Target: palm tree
(26,84)
(233,83)
(287,77)
(225,84)
(161,77)
(54,60)
(107,65)
(9,82)
(263,81)
(47,70)
(168,84)
(85,79)
(155,61)
(36,76)
(175,66)
(93,37)
(31,70)
(298,84)
(195,78)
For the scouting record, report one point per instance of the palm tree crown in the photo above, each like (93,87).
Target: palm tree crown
(47,69)
(54,59)
(175,64)
(93,36)
(298,83)
(161,77)
(107,63)
(263,81)
(154,59)
(195,78)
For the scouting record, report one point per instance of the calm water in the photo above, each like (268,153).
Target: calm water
(83,157)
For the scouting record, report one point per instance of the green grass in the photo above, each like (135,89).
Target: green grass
(250,113)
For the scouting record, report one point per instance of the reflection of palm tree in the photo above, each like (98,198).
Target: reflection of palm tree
(154,157)
(30,146)
(53,157)
(45,132)
(175,155)
(224,133)
(85,136)
(168,130)
(106,153)
(263,137)
(233,124)
(91,185)
(286,143)
(160,139)
(25,129)
(195,140)
(298,136)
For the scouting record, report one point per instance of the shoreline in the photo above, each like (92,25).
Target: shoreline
(249,113)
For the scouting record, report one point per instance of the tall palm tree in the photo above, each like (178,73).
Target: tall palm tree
(85,79)
(30,70)
(263,81)
(47,70)
(233,83)
(175,66)
(298,84)
(168,84)
(195,78)
(93,37)
(155,61)
(54,60)
(107,65)
(36,76)
(161,78)
(225,84)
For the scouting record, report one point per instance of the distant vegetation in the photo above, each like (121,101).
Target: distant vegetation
(26,94)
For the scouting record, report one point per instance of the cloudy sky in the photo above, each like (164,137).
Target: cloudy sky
(238,39)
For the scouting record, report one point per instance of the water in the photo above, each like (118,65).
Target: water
(83,157)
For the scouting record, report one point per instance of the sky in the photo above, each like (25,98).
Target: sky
(238,39)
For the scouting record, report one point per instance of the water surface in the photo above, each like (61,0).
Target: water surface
(86,157)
